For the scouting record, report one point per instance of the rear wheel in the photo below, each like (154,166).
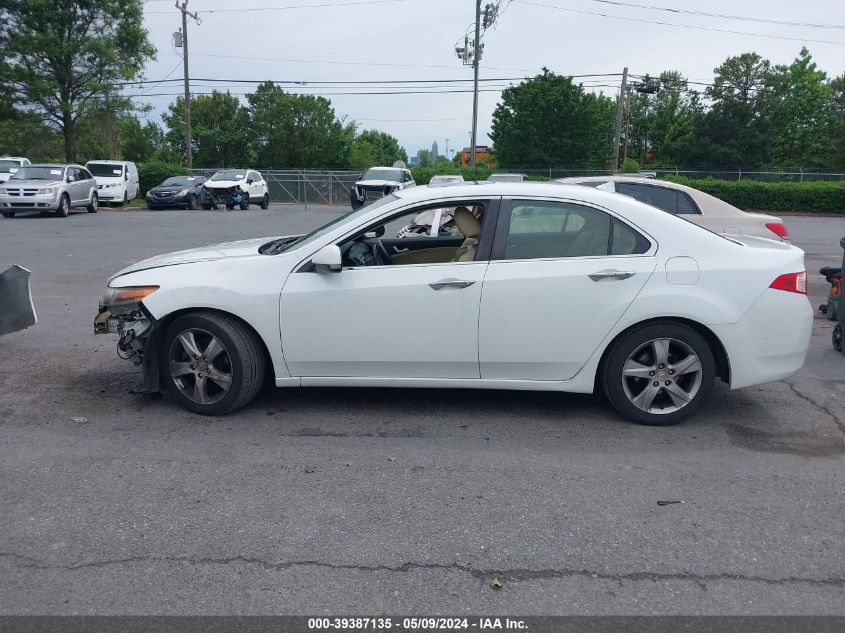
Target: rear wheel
(211,363)
(64,206)
(95,204)
(265,201)
(8,214)
(659,374)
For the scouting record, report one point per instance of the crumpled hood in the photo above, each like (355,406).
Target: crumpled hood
(243,248)
(376,183)
(222,184)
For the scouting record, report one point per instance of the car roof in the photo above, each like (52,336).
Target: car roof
(13,158)
(109,161)
(55,165)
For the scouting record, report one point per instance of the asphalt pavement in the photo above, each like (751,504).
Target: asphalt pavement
(364,501)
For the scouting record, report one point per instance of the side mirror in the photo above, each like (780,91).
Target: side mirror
(249,181)
(126,176)
(328,259)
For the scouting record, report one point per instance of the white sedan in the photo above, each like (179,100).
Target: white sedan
(538,287)
(690,204)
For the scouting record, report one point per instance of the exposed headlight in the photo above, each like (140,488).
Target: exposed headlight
(46,191)
(116,300)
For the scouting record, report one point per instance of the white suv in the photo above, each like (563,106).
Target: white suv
(235,187)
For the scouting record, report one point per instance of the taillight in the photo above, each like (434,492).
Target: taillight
(791,282)
(779,229)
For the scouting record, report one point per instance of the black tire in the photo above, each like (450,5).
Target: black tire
(125,198)
(192,202)
(683,340)
(207,206)
(8,214)
(95,203)
(230,206)
(242,356)
(64,206)
(265,201)
(836,337)
(244,201)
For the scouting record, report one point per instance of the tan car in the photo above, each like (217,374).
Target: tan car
(691,204)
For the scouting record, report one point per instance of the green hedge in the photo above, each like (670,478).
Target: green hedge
(752,195)
(152,174)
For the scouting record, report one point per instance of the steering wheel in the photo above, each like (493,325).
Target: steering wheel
(380,253)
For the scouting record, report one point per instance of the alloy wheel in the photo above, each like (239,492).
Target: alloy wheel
(662,375)
(200,366)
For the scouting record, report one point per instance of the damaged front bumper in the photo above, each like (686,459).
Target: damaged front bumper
(138,340)
(228,196)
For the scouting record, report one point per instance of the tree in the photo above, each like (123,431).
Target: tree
(798,103)
(372,147)
(548,120)
(220,129)
(297,130)
(734,132)
(60,58)
(837,129)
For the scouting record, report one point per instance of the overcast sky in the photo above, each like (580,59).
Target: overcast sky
(383,40)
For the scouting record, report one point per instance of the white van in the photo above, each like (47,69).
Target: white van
(117,180)
(10,164)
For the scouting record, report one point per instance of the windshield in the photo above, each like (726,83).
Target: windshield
(347,217)
(47,172)
(105,170)
(393,175)
(6,166)
(229,174)
(178,181)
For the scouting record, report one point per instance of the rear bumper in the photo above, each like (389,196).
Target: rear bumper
(770,342)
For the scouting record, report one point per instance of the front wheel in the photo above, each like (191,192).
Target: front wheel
(193,204)
(659,374)
(211,363)
(244,201)
(265,201)
(95,203)
(64,206)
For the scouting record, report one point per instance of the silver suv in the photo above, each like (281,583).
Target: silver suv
(48,189)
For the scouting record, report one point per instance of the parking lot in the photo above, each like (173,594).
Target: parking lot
(371,501)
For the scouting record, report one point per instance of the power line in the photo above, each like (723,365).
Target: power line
(720,15)
(290,7)
(347,82)
(675,24)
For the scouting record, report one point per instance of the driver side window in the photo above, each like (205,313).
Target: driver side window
(433,234)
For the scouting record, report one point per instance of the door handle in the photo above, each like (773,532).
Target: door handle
(611,274)
(450,283)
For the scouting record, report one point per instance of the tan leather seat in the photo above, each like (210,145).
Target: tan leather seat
(470,228)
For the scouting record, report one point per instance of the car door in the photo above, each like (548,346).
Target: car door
(418,320)
(562,273)
(77,185)
(256,188)
(88,183)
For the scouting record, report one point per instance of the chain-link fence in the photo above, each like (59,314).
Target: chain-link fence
(331,187)
(304,186)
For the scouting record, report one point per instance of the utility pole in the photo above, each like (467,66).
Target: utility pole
(188,142)
(475,63)
(617,137)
